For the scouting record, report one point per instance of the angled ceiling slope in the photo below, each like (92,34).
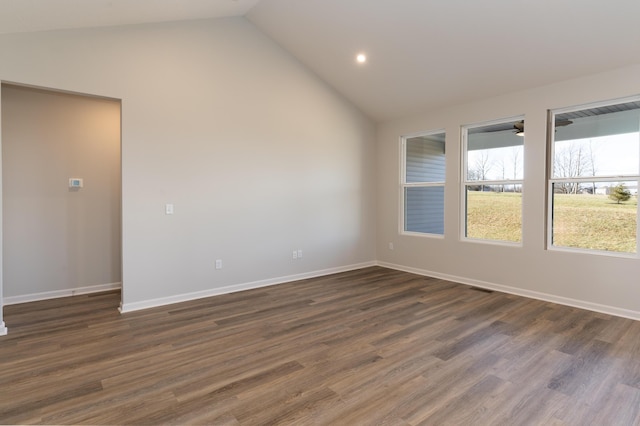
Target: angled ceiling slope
(426,54)
(421,54)
(41,15)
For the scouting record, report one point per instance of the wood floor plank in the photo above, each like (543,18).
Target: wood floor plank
(372,346)
(523,405)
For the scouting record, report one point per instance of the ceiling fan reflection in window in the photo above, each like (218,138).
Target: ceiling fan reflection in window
(518,127)
(510,126)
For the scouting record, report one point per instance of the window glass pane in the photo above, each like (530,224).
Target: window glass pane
(591,148)
(424,209)
(601,141)
(495,152)
(595,215)
(425,160)
(494,213)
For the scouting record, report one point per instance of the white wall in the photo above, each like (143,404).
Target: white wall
(258,156)
(3,328)
(598,282)
(58,240)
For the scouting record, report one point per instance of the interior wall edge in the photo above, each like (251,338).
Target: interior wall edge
(567,301)
(3,329)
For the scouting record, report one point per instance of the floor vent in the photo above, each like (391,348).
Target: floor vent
(484,290)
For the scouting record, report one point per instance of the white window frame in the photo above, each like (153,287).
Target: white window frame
(404,184)
(464,134)
(551,180)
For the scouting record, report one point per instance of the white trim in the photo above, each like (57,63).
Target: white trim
(422,184)
(3,329)
(12,300)
(548,219)
(596,179)
(502,182)
(162,301)
(442,130)
(422,234)
(505,243)
(462,189)
(580,250)
(403,166)
(596,307)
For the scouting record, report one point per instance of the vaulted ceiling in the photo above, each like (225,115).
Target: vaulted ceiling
(421,54)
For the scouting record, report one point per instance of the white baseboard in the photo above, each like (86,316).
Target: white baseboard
(152,303)
(3,329)
(130,307)
(575,303)
(12,300)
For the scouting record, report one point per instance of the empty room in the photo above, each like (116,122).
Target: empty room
(320,212)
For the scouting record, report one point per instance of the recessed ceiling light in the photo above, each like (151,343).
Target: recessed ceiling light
(361,58)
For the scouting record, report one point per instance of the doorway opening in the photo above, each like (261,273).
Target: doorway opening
(61,194)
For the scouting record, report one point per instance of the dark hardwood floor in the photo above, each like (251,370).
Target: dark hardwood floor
(373,346)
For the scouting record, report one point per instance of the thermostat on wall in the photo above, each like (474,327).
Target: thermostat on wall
(75,183)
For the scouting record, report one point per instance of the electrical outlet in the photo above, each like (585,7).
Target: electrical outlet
(391,246)
(295,254)
(299,254)
(218,263)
